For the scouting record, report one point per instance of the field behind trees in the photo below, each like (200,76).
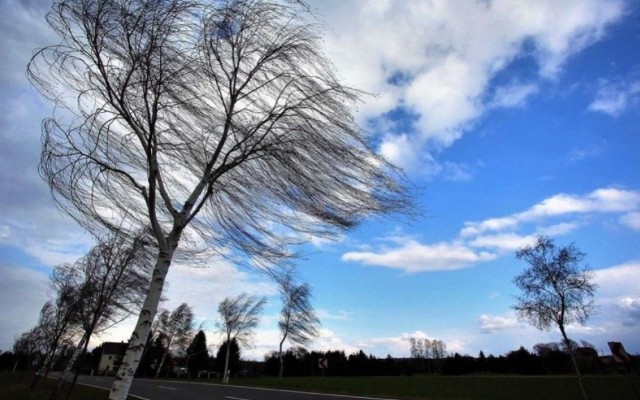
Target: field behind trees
(487,387)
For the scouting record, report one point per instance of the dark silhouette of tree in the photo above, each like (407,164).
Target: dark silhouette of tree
(151,356)
(29,349)
(233,364)
(224,117)
(298,321)
(556,290)
(175,329)
(197,358)
(111,282)
(59,319)
(238,318)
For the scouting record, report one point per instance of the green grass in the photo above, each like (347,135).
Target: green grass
(464,387)
(16,387)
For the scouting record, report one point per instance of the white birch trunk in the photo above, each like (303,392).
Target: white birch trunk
(225,378)
(131,360)
(164,356)
(74,357)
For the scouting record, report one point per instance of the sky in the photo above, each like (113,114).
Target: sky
(511,119)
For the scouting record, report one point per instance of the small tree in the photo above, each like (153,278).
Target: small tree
(175,328)
(59,319)
(111,282)
(298,320)
(238,319)
(556,290)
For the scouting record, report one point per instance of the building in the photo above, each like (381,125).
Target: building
(111,357)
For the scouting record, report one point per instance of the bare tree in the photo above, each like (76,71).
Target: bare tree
(58,322)
(238,318)
(224,117)
(556,290)
(111,282)
(29,349)
(175,329)
(298,321)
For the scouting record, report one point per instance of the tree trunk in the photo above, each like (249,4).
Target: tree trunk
(75,376)
(68,367)
(164,356)
(48,359)
(567,343)
(225,374)
(281,374)
(131,360)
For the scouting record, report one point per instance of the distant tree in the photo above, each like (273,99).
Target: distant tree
(29,349)
(238,318)
(111,281)
(197,357)
(556,290)
(298,321)
(153,352)
(230,362)
(222,118)
(59,320)
(175,329)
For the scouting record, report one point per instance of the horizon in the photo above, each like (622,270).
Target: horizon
(510,119)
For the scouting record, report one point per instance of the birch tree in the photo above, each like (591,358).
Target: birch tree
(556,290)
(238,318)
(110,282)
(175,329)
(298,321)
(207,122)
(58,322)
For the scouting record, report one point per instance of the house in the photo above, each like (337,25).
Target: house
(111,357)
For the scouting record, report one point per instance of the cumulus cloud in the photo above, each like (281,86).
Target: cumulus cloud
(438,60)
(486,240)
(416,257)
(605,200)
(497,323)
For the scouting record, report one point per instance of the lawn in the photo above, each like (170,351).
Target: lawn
(16,387)
(464,387)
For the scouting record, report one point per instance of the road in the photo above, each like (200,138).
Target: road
(152,389)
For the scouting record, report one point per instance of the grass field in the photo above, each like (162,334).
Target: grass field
(465,387)
(16,387)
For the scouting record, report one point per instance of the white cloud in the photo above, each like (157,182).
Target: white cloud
(613,99)
(498,236)
(514,95)
(416,257)
(504,241)
(496,323)
(438,59)
(618,281)
(605,200)
(632,220)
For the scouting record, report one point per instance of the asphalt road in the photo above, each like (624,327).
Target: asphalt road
(152,389)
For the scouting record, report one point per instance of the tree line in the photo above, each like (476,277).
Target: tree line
(108,284)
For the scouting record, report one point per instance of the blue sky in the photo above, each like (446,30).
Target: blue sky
(511,118)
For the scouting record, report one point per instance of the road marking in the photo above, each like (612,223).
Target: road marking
(167,387)
(271,389)
(103,388)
